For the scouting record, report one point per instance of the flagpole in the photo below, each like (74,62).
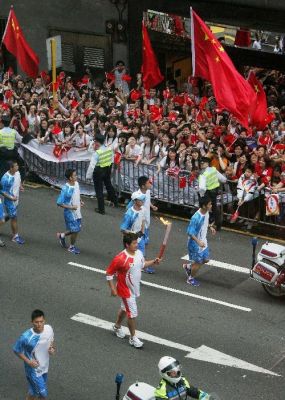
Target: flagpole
(192,41)
(53,67)
(9,16)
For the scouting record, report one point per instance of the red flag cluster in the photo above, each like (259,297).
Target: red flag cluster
(211,62)
(17,45)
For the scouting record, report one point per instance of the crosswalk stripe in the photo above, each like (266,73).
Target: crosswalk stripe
(223,265)
(169,289)
(202,353)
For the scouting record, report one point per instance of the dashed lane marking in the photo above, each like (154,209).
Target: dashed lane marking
(223,265)
(172,290)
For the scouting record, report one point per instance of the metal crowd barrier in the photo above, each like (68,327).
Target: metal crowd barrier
(167,189)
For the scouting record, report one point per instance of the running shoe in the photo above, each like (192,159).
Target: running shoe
(149,270)
(2,244)
(187,269)
(119,332)
(18,239)
(74,250)
(61,240)
(192,281)
(136,342)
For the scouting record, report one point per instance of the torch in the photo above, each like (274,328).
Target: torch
(166,236)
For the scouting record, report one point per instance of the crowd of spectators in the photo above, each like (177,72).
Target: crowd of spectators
(169,128)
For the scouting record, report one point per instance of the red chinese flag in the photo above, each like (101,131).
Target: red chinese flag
(211,62)
(17,45)
(150,69)
(260,115)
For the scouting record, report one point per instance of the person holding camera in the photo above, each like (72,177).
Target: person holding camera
(217,156)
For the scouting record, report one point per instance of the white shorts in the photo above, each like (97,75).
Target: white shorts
(130,306)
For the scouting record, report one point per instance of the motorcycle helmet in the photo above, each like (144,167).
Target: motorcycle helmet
(169,369)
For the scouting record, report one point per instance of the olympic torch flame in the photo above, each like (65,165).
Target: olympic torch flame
(166,236)
(164,221)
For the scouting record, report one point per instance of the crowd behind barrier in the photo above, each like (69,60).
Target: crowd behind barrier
(179,190)
(163,133)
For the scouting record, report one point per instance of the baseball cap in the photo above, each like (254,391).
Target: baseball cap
(138,196)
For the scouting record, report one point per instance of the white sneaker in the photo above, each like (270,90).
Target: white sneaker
(119,332)
(2,244)
(134,341)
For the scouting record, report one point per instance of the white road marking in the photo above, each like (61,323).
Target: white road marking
(169,289)
(223,265)
(202,353)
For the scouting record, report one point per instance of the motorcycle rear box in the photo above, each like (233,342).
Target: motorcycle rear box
(140,391)
(264,272)
(274,252)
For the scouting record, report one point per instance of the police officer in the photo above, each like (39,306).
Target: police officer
(101,166)
(8,137)
(209,183)
(173,385)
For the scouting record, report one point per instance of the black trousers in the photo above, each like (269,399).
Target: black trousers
(102,176)
(215,214)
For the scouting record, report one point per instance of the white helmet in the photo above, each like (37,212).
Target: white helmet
(169,364)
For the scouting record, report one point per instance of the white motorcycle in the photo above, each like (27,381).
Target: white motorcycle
(269,268)
(144,391)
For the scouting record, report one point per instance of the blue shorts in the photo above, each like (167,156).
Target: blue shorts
(37,385)
(72,224)
(2,218)
(146,236)
(198,257)
(10,208)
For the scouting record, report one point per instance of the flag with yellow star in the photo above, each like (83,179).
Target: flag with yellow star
(16,44)
(211,62)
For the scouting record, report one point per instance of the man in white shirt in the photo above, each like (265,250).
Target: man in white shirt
(34,347)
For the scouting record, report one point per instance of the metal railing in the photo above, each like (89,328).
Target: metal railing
(178,189)
(167,23)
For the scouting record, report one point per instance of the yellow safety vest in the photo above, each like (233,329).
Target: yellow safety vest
(167,391)
(212,181)
(7,138)
(105,157)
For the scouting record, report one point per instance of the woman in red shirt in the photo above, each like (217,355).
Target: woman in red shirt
(264,172)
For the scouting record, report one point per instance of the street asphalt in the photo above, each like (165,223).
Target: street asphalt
(37,275)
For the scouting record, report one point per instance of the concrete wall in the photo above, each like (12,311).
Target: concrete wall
(36,17)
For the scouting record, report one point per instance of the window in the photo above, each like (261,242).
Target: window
(80,50)
(94,57)
(67,57)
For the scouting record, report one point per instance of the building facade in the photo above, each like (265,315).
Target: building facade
(97,33)
(88,29)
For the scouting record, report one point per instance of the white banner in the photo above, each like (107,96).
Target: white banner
(45,151)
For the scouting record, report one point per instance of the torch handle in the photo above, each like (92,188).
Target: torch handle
(165,239)
(161,251)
